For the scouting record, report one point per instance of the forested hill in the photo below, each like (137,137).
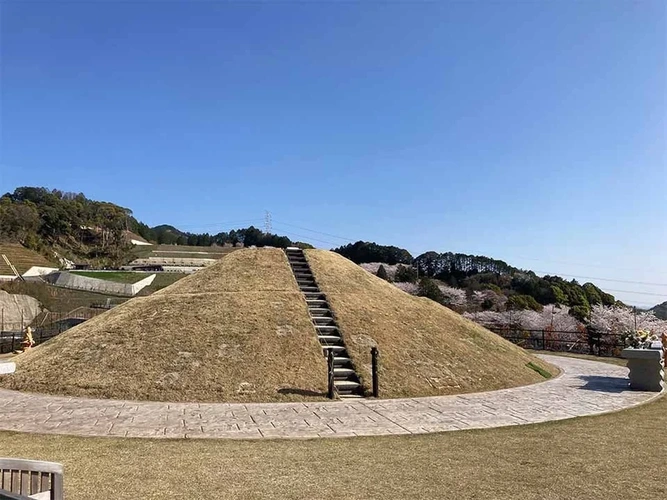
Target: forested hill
(474,273)
(660,310)
(75,227)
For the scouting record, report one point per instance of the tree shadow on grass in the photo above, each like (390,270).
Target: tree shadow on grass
(605,384)
(302,392)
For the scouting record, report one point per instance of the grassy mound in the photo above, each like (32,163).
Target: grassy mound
(425,348)
(237,331)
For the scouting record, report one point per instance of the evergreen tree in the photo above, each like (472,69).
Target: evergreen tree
(382,273)
(405,274)
(429,289)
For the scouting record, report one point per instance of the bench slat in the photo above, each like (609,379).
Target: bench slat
(25,483)
(34,482)
(46,484)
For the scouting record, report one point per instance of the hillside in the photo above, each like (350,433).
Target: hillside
(99,232)
(660,310)
(425,348)
(236,331)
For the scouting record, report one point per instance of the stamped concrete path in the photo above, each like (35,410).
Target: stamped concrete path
(584,388)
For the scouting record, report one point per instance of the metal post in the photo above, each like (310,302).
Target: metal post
(590,342)
(2,328)
(330,366)
(544,346)
(374,364)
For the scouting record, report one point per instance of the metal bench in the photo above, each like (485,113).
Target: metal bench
(30,479)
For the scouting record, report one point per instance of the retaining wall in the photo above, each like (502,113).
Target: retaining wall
(68,280)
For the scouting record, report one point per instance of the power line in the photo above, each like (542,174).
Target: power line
(228,223)
(290,233)
(638,293)
(601,279)
(315,231)
(585,265)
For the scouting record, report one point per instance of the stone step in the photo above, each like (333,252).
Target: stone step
(342,361)
(309,289)
(337,349)
(324,321)
(317,303)
(330,339)
(314,296)
(326,329)
(318,312)
(343,372)
(346,385)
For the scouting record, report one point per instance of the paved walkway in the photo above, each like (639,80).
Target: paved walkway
(584,388)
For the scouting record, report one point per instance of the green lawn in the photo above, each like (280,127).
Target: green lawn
(614,456)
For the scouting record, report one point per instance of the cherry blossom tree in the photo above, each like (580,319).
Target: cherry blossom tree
(454,297)
(619,319)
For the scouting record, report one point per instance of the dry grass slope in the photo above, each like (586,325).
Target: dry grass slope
(237,331)
(22,258)
(425,348)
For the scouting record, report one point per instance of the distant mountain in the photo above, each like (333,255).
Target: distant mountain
(660,310)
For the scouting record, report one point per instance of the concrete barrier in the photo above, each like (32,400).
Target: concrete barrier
(64,279)
(7,367)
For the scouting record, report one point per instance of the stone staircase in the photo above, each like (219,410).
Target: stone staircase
(346,380)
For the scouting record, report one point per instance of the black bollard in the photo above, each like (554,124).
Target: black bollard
(374,362)
(330,366)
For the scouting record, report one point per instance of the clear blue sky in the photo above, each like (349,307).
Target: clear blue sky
(533,132)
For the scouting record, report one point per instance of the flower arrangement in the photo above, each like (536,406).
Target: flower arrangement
(639,339)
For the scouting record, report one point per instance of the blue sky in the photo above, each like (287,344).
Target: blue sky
(533,132)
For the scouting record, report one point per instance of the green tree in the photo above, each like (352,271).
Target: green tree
(382,273)
(558,295)
(581,313)
(405,274)
(517,302)
(429,289)
(592,294)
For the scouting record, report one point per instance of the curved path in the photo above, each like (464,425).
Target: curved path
(584,388)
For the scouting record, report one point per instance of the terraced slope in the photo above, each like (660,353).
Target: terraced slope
(425,348)
(22,258)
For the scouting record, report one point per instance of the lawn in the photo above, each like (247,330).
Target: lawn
(619,455)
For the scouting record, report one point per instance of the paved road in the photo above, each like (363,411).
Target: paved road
(584,388)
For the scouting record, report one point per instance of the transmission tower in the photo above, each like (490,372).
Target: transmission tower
(267,222)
